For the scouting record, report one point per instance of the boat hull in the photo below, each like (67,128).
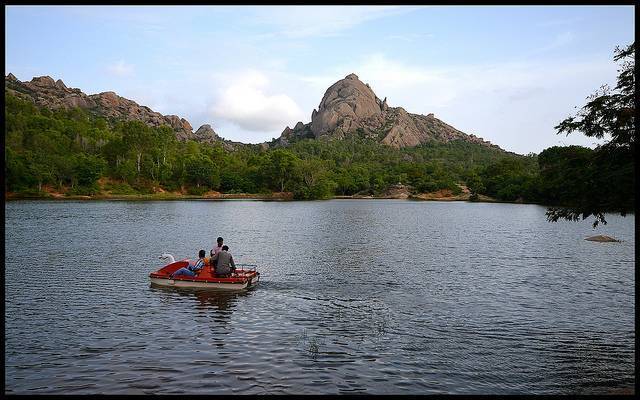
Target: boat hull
(199,284)
(240,280)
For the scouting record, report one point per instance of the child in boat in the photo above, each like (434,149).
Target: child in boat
(192,270)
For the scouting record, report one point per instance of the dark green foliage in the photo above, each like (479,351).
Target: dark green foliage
(72,149)
(585,182)
(509,179)
(200,171)
(119,188)
(565,176)
(87,169)
(609,173)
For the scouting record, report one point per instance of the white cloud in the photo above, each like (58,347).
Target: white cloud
(120,68)
(307,21)
(247,102)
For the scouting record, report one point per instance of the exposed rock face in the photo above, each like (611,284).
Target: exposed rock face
(344,104)
(288,135)
(206,134)
(398,191)
(350,106)
(46,92)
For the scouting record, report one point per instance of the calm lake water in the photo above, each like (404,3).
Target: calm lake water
(356,296)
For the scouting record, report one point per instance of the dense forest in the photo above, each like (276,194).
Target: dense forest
(71,149)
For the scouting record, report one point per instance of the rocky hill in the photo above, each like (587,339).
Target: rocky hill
(46,92)
(350,106)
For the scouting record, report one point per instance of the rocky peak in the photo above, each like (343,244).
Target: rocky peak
(61,85)
(206,134)
(43,81)
(11,77)
(108,99)
(350,106)
(343,104)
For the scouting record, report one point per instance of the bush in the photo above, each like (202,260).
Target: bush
(32,192)
(197,191)
(85,190)
(119,188)
(143,187)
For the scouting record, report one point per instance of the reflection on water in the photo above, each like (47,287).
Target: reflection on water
(376,297)
(203,299)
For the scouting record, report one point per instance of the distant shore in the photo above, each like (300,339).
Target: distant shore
(152,196)
(277,196)
(106,192)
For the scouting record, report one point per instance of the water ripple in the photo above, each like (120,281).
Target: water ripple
(372,297)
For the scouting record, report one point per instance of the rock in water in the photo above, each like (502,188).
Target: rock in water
(601,238)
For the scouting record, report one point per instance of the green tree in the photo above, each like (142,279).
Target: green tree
(138,137)
(608,112)
(474,183)
(281,167)
(315,181)
(201,171)
(87,170)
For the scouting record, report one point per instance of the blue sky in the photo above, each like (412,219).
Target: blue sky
(508,74)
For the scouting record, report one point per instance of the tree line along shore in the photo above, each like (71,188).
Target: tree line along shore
(73,154)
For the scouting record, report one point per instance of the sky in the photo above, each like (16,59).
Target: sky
(508,74)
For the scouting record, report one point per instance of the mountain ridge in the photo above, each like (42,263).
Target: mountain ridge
(348,106)
(44,91)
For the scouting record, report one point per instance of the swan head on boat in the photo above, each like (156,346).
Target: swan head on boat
(169,257)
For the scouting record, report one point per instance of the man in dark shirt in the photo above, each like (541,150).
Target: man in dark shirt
(224,262)
(217,249)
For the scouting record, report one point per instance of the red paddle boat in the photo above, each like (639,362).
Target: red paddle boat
(244,278)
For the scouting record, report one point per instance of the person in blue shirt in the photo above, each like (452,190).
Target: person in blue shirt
(192,269)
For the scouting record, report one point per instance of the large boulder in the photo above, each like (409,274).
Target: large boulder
(350,106)
(344,104)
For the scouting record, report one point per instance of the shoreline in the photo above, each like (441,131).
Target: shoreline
(283,196)
(154,196)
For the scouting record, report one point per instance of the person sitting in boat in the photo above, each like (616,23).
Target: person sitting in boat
(224,262)
(192,269)
(215,251)
(218,248)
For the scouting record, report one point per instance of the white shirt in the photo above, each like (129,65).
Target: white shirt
(217,250)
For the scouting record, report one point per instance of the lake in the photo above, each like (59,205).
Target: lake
(355,296)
